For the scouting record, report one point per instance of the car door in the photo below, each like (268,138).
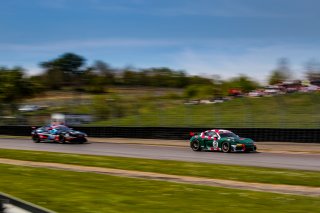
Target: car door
(208,139)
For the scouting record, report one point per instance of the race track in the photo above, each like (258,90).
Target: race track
(274,160)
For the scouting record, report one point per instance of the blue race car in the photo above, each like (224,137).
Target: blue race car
(57,133)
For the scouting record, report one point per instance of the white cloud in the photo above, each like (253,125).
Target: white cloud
(32,70)
(92,43)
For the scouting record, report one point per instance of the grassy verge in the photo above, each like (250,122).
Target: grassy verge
(285,111)
(141,107)
(65,191)
(239,173)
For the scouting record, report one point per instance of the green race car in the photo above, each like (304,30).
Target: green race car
(221,140)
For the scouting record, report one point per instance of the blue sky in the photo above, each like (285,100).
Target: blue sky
(209,37)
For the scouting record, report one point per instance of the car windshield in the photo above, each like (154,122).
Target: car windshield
(63,128)
(228,134)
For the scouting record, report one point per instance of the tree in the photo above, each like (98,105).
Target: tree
(199,80)
(242,82)
(191,91)
(313,70)
(103,70)
(130,77)
(14,86)
(59,71)
(281,73)
(200,91)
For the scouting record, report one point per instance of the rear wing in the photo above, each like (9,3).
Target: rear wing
(192,134)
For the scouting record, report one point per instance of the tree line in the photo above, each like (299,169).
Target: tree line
(70,70)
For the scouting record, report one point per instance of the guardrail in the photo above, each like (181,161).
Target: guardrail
(257,134)
(30,207)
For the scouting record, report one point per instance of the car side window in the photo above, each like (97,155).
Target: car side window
(210,134)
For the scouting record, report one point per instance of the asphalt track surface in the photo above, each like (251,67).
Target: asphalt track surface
(273,160)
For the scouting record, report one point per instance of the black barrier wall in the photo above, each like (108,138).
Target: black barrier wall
(257,134)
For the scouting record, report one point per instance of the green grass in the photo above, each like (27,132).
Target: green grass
(65,191)
(155,107)
(229,172)
(285,111)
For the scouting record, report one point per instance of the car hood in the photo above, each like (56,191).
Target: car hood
(74,132)
(238,140)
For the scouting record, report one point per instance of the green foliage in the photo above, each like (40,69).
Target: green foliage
(68,70)
(281,73)
(285,111)
(64,70)
(277,76)
(218,89)
(14,85)
(104,72)
(191,91)
(313,70)
(198,80)
(171,95)
(159,77)
(95,85)
(242,82)
(111,106)
(68,63)
(100,108)
(59,71)
(199,91)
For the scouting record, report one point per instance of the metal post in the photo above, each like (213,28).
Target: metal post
(280,103)
(160,115)
(137,116)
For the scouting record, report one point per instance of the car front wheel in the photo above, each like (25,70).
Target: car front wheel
(195,145)
(226,147)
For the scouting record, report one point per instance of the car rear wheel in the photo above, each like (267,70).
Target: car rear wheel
(62,139)
(36,139)
(82,140)
(195,145)
(226,147)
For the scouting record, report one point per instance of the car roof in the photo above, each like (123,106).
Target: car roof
(220,131)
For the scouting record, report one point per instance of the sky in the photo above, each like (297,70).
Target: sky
(204,37)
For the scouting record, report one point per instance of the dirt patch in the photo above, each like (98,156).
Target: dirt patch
(275,188)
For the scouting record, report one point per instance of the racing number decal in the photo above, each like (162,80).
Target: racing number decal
(215,144)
